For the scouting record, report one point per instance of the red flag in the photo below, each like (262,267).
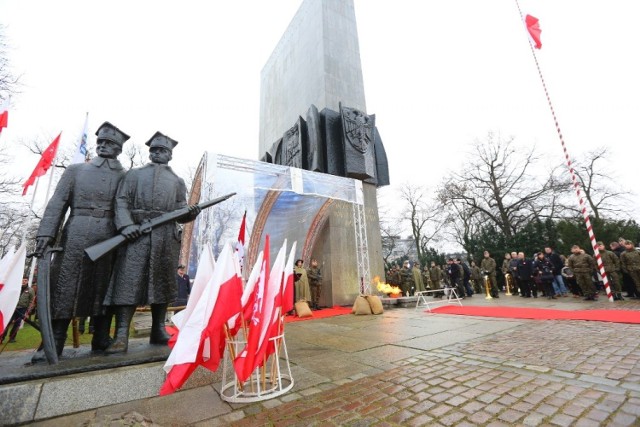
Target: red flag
(287,286)
(44,164)
(248,298)
(11,270)
(240,244)
(533,26)
(252,355)
(4,114)
(223,301)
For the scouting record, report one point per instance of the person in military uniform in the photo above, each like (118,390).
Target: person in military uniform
(144,272)
(426,278)
(86,192)
(630,263)
(611,264)
(583,266)
(488,267)
(417,278)
(436,277)
(476,278)
(315,284)
(407,284)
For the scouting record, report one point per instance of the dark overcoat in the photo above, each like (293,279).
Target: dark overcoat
(78,285)
(145,268)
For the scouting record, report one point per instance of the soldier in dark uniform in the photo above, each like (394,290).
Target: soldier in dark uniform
(144,271)
(630,263)
(86,191)
(611,264)
(315,284)
(407,283)
(488,267)
(436,277)
(583,266)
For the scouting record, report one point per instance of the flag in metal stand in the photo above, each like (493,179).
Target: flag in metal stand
(80,155)
(45,162)
(11,272)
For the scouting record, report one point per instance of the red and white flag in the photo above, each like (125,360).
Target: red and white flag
(201,341)
(4,114)
(287,286)
(533,27)
(241,240)
(11,272)
(248,297)
(45,162)
(254,352)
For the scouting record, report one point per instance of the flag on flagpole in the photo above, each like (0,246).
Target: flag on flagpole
(287,285)
(260,328)
(248,297)
(241,240)
(533,26)
(45,162)
(201,340)
(4,114)
(80,156)
(11,272)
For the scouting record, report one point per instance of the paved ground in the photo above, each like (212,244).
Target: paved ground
(410,368)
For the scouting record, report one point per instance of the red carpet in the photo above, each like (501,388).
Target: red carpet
(616,316)
(336,310)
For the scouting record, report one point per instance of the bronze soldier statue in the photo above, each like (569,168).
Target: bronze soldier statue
(144,272)
(86,191)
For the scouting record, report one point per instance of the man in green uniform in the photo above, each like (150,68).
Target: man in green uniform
(407,283)
(583,265)
(417,277)
(630,263)
(488,267)
(315,283)
(611,264)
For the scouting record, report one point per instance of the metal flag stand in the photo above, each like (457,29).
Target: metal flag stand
(270,380)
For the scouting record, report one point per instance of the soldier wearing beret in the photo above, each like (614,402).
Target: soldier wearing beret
(144,272)
(86,192)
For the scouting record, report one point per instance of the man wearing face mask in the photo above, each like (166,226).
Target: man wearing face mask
(144,272)
(77,285)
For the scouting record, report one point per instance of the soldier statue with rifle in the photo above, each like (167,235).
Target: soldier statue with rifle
(144,271)
(77,285)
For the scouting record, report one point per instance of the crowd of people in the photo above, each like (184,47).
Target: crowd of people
(546,273)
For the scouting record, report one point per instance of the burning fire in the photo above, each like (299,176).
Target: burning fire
(386,288)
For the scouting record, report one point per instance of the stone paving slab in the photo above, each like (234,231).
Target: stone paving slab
(480,371)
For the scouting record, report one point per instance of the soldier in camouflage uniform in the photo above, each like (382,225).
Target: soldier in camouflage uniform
(426,278)
(611,264)
(488,267)
(476,278)
(630,263)
(407,283)
(436,276)
(583,266)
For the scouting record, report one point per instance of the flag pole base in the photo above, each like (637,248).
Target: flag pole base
(275,382)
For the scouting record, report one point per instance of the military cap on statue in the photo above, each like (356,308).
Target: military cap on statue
(160,140)
(110,132)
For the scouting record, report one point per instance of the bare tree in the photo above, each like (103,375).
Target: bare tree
(133,155)
(8,81)
(423,214)
(390,230)
(604,196)
(497,185)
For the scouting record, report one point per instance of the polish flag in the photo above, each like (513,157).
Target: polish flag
(4,114)
(533,26)
(287,291)
(248,297)
(80,155)
(201,341)
(241,240)
(11,272)
(46,160)
(254,353)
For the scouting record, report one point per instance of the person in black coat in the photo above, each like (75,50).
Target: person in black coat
(525,271)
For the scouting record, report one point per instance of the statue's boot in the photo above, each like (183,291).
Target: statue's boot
(120,343)
(101,338)
(159,333)
(59,327)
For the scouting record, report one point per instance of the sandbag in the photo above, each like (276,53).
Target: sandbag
(375,303)
(361,306)
(302,309)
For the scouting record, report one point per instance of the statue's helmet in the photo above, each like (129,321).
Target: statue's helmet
(111,133)
(160,140)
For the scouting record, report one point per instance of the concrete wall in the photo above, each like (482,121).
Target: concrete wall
(317,61)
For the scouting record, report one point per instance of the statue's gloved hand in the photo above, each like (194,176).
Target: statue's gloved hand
(131,232)
(194,211)
(41,244)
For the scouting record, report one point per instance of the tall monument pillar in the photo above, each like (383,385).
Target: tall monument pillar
(317,63)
